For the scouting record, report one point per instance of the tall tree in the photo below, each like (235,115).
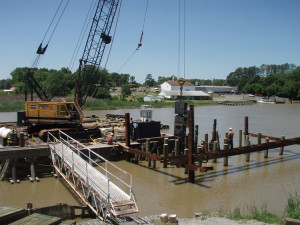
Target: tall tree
(149,81)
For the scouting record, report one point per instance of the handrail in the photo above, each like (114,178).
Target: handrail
(75,148)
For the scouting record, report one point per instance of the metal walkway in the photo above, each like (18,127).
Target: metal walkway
(104,187)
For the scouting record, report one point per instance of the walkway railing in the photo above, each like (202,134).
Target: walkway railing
(104,187)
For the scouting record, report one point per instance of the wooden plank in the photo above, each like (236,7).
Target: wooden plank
(38,219)
(68,222)
(22,152)
(9,214)
(123,203)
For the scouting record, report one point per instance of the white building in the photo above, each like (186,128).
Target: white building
(217,89)
(171,90)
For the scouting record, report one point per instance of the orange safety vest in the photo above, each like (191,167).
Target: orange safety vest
(201,148)
(230,134)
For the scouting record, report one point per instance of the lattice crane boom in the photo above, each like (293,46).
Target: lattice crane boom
(93,52)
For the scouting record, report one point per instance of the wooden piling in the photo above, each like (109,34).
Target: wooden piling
(21,139)
(196,135)
(191,145)
(154,162)
(176,147)
(186,151)
(281,148)
(166,141)
(215,145)
(259,138)
(246,127)
(127,129)
(13,170)
(206,142)
(225,147)
(165,153)
(32,170)
(266,152)
(148,150)
(240,138)
(247,144)
(214,137)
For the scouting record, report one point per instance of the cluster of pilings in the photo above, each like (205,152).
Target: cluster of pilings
(167,149)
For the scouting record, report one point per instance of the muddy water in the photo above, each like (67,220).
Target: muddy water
(241,184)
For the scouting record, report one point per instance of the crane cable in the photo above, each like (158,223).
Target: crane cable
(41,50)
(140,42)
(114,34)
(82,34)
(179,37)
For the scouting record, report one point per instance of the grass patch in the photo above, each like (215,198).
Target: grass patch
(293,206)
(11,106)
(253,213)
(261,214)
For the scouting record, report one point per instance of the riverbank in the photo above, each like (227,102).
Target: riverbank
(12,103)
(195,221)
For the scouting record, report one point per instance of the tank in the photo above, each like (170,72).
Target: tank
(5,132)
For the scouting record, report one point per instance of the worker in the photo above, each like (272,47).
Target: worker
(201,147)
(230,138)
(109,140)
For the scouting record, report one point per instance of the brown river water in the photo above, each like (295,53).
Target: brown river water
(259,182)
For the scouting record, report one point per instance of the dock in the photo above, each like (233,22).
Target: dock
(56,214)
(190,157)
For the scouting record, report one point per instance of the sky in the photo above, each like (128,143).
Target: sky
(215,36)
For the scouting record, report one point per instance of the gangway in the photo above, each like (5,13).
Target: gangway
(105,188)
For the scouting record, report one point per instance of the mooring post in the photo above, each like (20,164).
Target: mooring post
(29,208)
(13,171)
(165,153)
(266,152)
(246,127)
(148,150)
(240,138)
(206,143)
(176,147)
(281,148)
(136,158)
(196,135)
(215,144)
(21,139)
(127,129)
(214,130)
(225,147)
(154,161)
(186,151)
(166,141)
(259,138)
(191,146)
(247,144)
(32,170)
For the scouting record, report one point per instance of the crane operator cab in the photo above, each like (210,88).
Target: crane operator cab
(38,113)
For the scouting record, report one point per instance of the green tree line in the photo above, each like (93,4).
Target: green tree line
(280,80)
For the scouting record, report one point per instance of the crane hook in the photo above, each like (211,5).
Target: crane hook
(140,43)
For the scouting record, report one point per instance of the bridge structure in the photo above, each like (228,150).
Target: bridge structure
(105,188)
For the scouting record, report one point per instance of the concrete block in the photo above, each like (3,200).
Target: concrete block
(164,217)
(173,218)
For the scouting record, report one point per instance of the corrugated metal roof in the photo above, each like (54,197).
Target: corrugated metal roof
(184,93)
(175,83)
